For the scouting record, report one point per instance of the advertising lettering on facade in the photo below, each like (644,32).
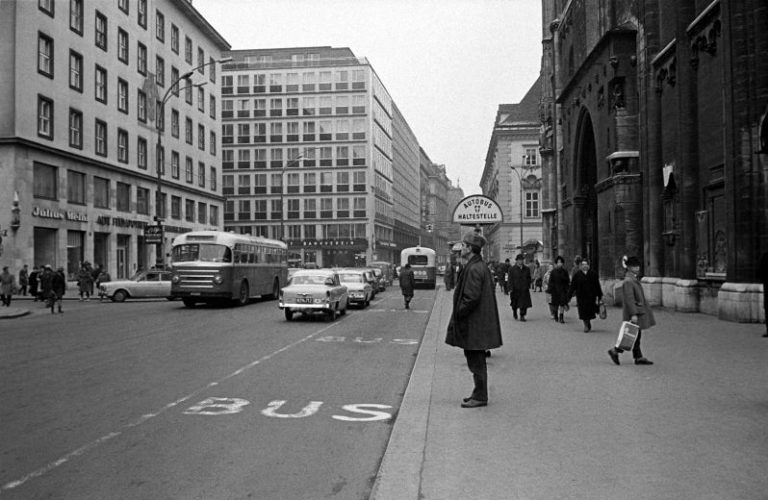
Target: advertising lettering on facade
(477,209)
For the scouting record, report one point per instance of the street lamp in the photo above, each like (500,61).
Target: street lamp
(519,171)
(160,254)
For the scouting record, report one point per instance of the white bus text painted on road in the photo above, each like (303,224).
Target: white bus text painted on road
(216,406)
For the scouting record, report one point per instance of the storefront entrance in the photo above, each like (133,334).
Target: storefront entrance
(46,247)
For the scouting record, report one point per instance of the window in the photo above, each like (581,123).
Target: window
(142,201)
(275,107)
(122,95)
(141,105)
(76,16)
(100,30)
(176,207)
(342,156)
(342,181)
(160,26)
(123,5)
(141,58)
(100,132)
(202,213)
(141,153)
(122,45)
(342,105)
(201,137)
(212,106)
(45,55)
(100,83)
(212,142)
(76,187)
(100,192)
(308,106)
(142,8)
(175,166)
(175,78)
(243,184)
(531,157)
(532,204)
(358,128)
(122,146)
(358,104)
(275,82)
(201,99)
(46,6)
(188,130)
(188,91)
(213,177)
(292,82)
(211,70)
(45,183)
(75,71)
(44,117)
(358,155)
(189,210)
(200,61)
(188,174)
(188,50)
(175,38)
(325,81)
(75,128)
(175,123)
(123,193)
(201,174)
(160,71)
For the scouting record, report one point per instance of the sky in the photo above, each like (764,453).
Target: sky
(448,64)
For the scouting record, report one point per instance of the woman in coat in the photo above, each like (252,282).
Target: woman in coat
(635,309)
(585,285)
(558,286)
(520,287)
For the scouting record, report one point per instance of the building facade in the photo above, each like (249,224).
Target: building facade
(653,132)
(512,177)
(308,156)
(405,184)
(81,102)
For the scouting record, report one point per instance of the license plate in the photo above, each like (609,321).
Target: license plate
(304,300)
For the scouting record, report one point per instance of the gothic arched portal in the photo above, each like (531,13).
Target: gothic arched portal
(585,179)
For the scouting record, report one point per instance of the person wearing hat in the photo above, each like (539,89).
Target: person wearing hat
(407,284)
(474,325)
(46,284)
(635,309)
(520,287)
(58,287)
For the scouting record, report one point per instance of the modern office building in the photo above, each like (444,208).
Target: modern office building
(405,183)
(512,176)
(85,88)
(308,156)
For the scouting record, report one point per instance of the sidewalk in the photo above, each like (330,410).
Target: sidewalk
(564,422)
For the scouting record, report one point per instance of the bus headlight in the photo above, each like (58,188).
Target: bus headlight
(218,280)
(176,279)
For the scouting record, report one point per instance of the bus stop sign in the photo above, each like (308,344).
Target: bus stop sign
(477,209)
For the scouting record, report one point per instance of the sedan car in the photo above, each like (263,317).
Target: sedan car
(144,285)
(359,290)
(314,290)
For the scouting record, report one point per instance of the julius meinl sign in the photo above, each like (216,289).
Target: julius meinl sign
(477,209)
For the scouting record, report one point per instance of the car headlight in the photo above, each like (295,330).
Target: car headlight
(218,279)
(176,278)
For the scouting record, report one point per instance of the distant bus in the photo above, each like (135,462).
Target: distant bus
(215,266)
(422,261)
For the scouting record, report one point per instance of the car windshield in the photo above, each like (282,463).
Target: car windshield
(202,252)
(309,279)
(351,278)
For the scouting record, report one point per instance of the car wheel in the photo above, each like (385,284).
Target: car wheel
(288,314)
(244,297)
(188,302)
(119,296)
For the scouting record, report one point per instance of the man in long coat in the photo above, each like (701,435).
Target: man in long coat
(520,287)
(407,284)
(635,309)
(474,324)
(585,285)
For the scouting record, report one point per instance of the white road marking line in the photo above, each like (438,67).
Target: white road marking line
(147,416)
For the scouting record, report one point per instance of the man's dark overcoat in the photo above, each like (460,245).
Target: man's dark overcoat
(407,282)
(634,303)
(474,323)
(520,287)
(586,288)
(559,282)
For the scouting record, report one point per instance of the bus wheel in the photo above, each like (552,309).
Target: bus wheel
(188,302)
(288,314)
(243,298)
(275,289)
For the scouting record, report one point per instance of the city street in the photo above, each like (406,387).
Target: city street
(149,399)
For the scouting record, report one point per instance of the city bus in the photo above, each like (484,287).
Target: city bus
(422,261)
(215,266)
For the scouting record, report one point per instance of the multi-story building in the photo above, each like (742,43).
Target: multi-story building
(657,142)
(307,139)
(405,183)
(512,177)
(81,103)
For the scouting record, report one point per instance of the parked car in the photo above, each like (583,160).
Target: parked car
(359,290)
(312,291)
(381,281)
(144,285)
(387,269)
(370,278)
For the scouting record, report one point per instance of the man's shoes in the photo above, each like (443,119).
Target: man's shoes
(487,354)
(522,318)
(473,403)
(514,313)
(614,354)
(643,361)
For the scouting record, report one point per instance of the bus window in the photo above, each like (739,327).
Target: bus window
(418,260)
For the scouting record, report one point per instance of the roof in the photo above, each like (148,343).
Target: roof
(526,111)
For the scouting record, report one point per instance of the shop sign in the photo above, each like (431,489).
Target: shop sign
(48,213)
(106,220)
(355,243)
(153,235)
(477,209)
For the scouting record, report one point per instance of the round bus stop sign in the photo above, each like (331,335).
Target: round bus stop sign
(477,209)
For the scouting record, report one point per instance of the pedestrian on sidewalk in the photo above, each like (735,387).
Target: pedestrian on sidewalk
(58,288)
(762,272)
(407,284)
(635,309)
(34,280)
(558,286)
(474,325)
(520,287)
(7,284)
(85,281)
(585,285)
(538,276)
(23,280)
(46,285)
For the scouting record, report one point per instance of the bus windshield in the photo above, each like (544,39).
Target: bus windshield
(201,252)
(418,260)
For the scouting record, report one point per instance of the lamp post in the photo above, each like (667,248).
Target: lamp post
(160,254)
(519,172)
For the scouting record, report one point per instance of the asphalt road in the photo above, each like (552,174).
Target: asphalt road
(148,399)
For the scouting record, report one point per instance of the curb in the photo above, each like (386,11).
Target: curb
(13,313)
